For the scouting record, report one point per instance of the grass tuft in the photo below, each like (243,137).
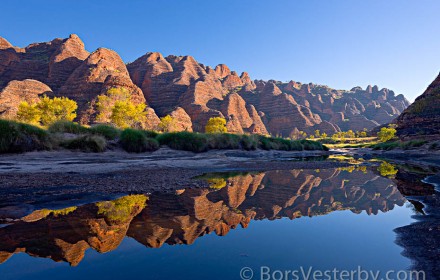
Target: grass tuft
(135,141)
(186,141)
(19,137)
(107,131)
(86,143)
(68,127)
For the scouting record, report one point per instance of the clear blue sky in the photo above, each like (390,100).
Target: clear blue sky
(340,43)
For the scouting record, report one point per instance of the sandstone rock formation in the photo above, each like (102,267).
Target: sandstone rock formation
(103,69)
(16,92)
(51,62)
(69,70)
(183,121)
(422,118)
(194,92)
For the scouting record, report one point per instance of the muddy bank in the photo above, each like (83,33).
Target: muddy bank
(44,177)
(65,161)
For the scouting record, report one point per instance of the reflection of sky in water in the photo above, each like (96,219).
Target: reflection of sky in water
(340,239)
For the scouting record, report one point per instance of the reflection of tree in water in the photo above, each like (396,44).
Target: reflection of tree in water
(183,217)
(387,169)
(120,210)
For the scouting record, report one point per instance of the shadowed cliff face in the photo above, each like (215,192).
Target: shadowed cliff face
(186,89)
(422,118)
(180,218)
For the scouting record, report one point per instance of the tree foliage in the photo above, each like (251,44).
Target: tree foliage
(216,125)
(47,111)
(28,113)
(125,114)
(167,124)
(116,107)
(386,133)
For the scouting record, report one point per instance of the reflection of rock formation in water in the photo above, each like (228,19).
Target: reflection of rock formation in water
(184,217)
(66,237)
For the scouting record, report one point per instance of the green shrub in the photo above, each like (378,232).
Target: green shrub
(187,141)
(68,127)
(397,144)
(385,146)
(287,145)
(249,142)
(150,133)
(18,137)
(86,143)
(265,143)
(135,141)
(413,144)
(108,131)
(312,145)
(269,143)
(223,141)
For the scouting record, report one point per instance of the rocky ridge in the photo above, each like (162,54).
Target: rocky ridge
(422,118)
(188,90)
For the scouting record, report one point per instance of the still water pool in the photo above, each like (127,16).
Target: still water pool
(321,219)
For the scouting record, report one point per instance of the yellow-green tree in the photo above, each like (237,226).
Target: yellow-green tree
(125,114)
(56,109)
(116,107)
(361,134)
(106,101)
(28,113)
(47,110)
(167,124)
(386,133)
(350,134)
(216,125)
(324,135)
(317,133)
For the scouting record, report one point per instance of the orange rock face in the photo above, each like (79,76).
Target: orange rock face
(103,69)
(18,91)
(200,92)
(183,121)
(69,70)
